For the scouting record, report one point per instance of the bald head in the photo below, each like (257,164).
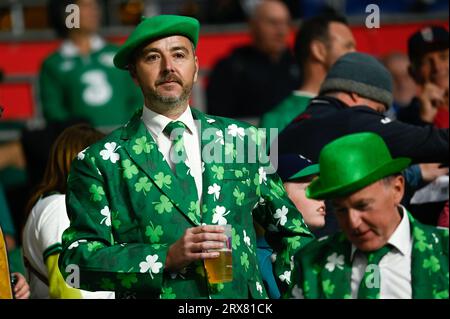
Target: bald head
(269,26)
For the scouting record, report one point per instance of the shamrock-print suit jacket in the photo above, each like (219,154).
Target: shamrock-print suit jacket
(323,268)
(126,208)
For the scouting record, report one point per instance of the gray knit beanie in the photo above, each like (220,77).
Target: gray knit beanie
(362,74)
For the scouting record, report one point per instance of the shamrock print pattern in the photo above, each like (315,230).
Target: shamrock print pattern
(129,169)
(143,185)
(142,146)
(81,155)
(164,205)
(236,131)
(97,193)
(281,215)
(140,199)
(150,265)
(215,191)
(154,233)
(219,215)
(107,219)
(109,153)
(127,280)
(218,172)
(286,277)
(333,261)
(240,196)
(162,180)
(326,264)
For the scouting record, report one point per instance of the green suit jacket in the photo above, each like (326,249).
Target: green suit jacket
(429,265)
(126,208)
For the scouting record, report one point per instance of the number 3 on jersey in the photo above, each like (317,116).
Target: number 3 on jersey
(98,91)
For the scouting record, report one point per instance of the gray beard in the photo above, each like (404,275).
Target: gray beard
(169,102)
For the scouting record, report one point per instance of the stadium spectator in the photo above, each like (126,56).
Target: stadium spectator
(79,79)
(380,253)
(256,77)
(47,218)
(319,43)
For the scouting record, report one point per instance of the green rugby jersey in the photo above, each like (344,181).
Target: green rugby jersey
(89,87)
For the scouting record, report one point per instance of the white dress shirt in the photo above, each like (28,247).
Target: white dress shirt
(156,123)
(395,266)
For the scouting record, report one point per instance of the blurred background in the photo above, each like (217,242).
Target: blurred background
(26,37)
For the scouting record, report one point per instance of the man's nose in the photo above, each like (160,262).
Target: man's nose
(167,64)
(354,219)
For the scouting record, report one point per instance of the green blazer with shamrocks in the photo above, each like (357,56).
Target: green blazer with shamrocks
(323,268)
(126,208)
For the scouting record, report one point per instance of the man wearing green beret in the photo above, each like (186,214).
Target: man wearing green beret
(382,251)
(148,203)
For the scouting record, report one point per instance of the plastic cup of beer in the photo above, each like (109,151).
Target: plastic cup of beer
(220,269)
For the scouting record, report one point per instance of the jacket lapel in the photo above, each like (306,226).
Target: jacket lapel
(211,137)
(421,284)
(144,151)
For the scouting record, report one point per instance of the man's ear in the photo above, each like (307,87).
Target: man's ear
(398,185)
(196,69)
(318,51)
(133,73)
(355,97)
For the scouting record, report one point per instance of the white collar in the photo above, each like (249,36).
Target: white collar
(69,49)
(156,122)
(400,238)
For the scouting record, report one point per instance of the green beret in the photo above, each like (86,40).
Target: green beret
(155,28)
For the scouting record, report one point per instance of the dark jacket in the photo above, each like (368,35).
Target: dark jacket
(327,118)
(248,84)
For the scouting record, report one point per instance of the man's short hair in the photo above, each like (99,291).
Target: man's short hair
(316,28)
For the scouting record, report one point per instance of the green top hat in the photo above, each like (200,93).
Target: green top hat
(351,163)
(155,28)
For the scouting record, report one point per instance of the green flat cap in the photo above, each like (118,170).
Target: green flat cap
(155,28)
(352,162)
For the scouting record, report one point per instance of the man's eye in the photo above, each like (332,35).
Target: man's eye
(151,57)
(179,55)
(362,207)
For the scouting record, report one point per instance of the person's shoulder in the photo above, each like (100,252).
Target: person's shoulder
(225,122)
(235,59)
(48,208)
(111,141)
(240,52)
(319,247)
(293,102)
(52,59)
(438,236)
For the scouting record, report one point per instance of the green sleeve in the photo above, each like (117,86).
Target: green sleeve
(91,258)
(264,122)
(51,93)
(286,230)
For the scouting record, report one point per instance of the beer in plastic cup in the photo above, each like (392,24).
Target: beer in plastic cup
(220,269)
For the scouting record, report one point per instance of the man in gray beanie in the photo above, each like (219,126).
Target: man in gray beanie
(361,74)
(353,97)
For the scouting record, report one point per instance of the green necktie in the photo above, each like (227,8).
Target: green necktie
(175,130)
(369,288)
